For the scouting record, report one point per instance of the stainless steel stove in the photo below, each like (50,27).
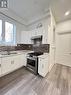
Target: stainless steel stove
(32,61)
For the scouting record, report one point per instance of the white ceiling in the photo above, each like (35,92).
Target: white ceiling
(59,7)
(30,10)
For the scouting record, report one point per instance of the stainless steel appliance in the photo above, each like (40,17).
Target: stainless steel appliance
(32,61)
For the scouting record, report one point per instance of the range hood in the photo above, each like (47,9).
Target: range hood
(37,37)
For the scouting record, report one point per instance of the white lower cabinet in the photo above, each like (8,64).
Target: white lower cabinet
(23,60)
(11,63)
(43,65)
(6,65)
(15,63)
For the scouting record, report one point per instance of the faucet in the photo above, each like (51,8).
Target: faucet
(8,50)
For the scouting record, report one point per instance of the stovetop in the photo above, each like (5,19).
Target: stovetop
(35,54)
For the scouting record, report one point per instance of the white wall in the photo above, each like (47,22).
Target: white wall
(44,22)
(19,27)
(63,27)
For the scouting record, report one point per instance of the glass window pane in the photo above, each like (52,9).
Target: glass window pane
(9,35)
(0,30)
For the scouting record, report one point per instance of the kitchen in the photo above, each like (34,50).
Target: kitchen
(32,45)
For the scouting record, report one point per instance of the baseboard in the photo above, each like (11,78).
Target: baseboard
(64,64)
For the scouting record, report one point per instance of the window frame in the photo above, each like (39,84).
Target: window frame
(1,31)
(3,42)
(14,34)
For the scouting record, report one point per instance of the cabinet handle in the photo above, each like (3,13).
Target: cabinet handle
(12,62)
(0,65)
(70,53)
(42,66)
(43,58)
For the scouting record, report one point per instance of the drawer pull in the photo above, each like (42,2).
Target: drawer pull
(0,65)
(12,62)
(42,66)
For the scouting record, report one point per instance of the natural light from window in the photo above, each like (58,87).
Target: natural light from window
(9,32)
(0,30)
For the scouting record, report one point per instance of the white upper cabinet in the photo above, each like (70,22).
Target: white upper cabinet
(45,37)
(26,37)
(38,31)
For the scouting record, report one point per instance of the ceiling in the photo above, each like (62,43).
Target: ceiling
(29,11)
(59,8)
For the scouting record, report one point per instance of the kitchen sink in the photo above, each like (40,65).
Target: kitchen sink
(9,53)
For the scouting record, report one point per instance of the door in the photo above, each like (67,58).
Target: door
(63,49)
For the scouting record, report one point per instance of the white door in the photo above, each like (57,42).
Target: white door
(63,49)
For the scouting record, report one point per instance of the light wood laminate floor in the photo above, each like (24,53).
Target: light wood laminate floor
(22,82)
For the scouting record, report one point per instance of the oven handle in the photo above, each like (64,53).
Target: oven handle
(31,58)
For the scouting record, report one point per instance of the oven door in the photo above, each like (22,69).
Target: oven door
(32,64)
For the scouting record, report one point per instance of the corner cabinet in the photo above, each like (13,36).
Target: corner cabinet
(43,65)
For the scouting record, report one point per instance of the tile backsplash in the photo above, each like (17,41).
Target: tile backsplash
(43,47)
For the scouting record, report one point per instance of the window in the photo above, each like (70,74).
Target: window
(0,30)
(9,33)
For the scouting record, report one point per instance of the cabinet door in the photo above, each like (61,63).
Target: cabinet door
(15,62)
(6,65)
(39,31)
(23,37)
(43,66)
(20,60)
(26,37)
(0,66)
(45,37)
(23,60)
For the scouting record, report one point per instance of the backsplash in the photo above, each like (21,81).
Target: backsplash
(43,47)
(5,48)
(23,47)
(18,47)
